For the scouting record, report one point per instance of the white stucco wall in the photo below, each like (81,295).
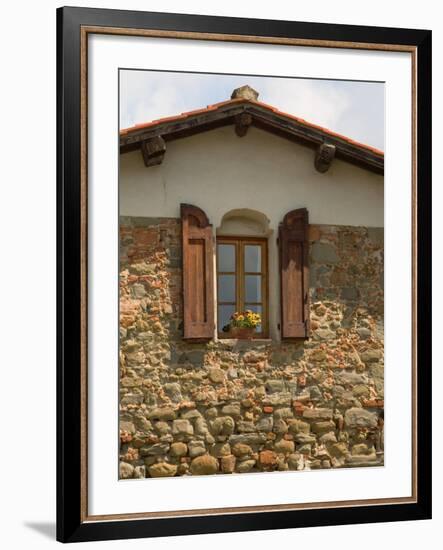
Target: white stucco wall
(218,172)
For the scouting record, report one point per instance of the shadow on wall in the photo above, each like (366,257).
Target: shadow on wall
(244,222)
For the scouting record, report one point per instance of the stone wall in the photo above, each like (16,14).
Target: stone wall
(239,406)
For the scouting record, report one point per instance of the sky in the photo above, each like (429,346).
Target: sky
(354,109)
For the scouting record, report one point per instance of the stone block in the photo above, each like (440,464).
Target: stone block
(280,426)
(318,414)
(191,414)
(284,413)
(362,449)
(231,409)
(279,399)
(223,425)
(131,382)
(248,439)
(244,466)
(162,428)
(182,427)
(162,413)
(350,378)
(338,450)
(324,426)
(127,426)
(267,459)
(328,437)
(324,334)
(126,470)
(293,461)
(173,391)
(132,399)
(275,386)
(179,449)
(304,438)
(324,253)
(140,472)
(138,291)
(284,446)
(360,418)
(220,449)
(157,449)
(296,426)
(196,448)
(227,464)
(204,465)
(162,469)
(244,426)
(360,391)
(265,424)
(241,450)
(371,355)
(217,376)
(142,424)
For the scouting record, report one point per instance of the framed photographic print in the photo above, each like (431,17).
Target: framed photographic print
(244,274)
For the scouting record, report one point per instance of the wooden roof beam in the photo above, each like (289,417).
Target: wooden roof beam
(153,151)
(323,157)
(242,123)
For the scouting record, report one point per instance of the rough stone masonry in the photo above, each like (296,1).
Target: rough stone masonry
(235,406)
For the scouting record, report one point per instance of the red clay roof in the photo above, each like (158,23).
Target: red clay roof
(216,106)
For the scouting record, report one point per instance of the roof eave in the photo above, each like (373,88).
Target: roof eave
(263,117)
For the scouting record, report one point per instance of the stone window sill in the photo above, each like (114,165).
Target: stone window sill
(246,342)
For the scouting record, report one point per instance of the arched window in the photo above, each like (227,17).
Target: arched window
(242,269)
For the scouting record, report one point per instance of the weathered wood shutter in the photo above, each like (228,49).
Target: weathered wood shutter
(198,274)
(294,274)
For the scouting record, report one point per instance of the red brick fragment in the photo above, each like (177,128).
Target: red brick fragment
(267,458)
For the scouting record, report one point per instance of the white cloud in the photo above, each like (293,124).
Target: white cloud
(355,109)
(312,100)
(146,96)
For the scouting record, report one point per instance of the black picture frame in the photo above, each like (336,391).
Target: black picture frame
(71,526)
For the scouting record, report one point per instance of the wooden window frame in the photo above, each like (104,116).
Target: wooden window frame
(240,274)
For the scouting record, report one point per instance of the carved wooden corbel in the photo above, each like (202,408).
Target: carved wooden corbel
(153,151)
(242,123)
(324,156)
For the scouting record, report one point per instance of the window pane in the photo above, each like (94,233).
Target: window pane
(253,258)
(226,257)
(252,288)
(224,314)
(226,288)
(256,309)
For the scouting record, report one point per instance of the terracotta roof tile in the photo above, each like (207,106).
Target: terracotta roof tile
(260,104)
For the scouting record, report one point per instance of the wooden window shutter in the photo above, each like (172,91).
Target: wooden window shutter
(198,274)
(294,274)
